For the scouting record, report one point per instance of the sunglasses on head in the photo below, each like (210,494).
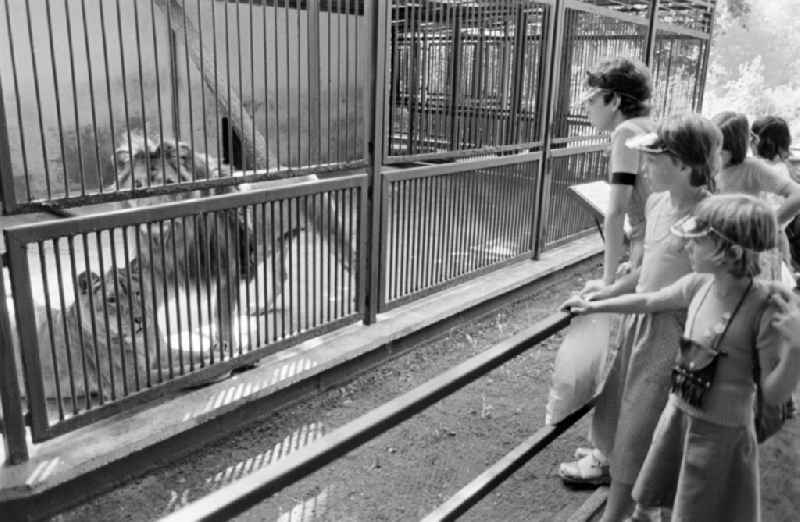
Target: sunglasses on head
(690,227)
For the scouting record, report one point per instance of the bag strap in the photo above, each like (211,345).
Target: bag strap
(733,315)
(756,361)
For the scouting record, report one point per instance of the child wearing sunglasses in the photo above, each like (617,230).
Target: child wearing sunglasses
(703,460)
(617,100)
(680,160)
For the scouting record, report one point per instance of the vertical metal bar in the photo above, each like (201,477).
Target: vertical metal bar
(652,28)
(63,308)
(252,71)
(350,261)
(176,269)
(199,243)
(548,86)
(57,96)
(337,268)
(7,192)
(16,447)
(299,88)
(398,195)
(188,93)
(91,96)
(185,264)
(90,311)
(175,98)
(151,260)
(263,230)
(141,87)
(312,7)
(125,89)
(316,259)
(111,125)
(331,251)
(266,90)
(209,255)
(240,81)
(103,287)
(347,81)
(205,125)
(274,268)
(117,296)
(288,87)
(378,20)
(223,301)
(217,119)
(277,90)
(139,259)
(356,83)
(81,166)
(165,276)
(306,231)
(76,303)
(281,229)
(50,331)
(10,204)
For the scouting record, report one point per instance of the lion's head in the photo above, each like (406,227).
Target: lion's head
(110,330)
(144,163)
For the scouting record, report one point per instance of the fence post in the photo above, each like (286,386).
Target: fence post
(376,16)
(13,420)
(7,194)
(314,131)
(651,34)
(555,29)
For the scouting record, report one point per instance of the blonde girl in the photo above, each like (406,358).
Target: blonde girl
(703,461)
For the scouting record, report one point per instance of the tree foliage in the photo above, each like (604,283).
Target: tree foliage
(754,62)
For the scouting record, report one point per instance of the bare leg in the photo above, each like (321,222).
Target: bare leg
(619,503)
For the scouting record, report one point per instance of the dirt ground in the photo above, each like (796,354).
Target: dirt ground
(411,469)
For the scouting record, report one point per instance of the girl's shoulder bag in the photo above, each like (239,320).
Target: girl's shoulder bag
(769,418)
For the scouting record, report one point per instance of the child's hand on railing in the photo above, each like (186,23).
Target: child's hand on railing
(577,305)
(593,286)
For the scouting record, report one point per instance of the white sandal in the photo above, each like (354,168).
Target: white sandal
(587,470)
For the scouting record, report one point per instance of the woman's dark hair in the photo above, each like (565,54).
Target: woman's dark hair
(696,142)
(773,135)
(626,78)
(735,134)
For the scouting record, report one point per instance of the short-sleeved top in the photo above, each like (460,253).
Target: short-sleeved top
(665,259)
(629,161)
(729,401)
(753,176)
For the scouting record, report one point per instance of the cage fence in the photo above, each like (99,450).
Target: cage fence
(113,306)
(268,87)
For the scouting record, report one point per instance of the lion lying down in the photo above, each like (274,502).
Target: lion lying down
(108,340)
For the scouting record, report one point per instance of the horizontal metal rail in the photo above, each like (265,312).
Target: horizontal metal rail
(487,481)
(248,491)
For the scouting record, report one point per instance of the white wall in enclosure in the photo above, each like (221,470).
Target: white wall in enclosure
(76,75)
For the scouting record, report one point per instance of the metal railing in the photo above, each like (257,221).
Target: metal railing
(119,307)
(446,224)
(236,497)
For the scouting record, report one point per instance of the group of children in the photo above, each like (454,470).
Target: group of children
(705,315)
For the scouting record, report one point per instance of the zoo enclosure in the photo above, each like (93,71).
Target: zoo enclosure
(450,131)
